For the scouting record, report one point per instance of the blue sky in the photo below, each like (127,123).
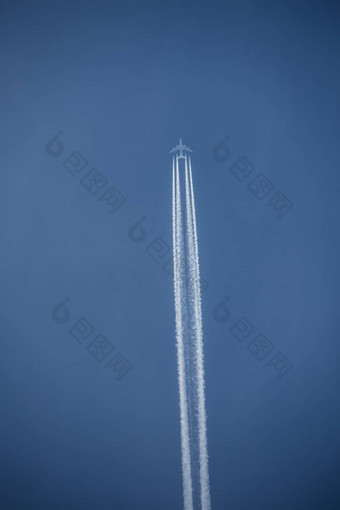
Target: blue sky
(253,88)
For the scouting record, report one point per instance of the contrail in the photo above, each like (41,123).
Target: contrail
(178,250)
(196,491)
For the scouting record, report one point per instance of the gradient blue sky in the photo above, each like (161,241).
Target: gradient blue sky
(123,81)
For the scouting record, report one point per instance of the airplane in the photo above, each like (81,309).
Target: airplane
(181,148)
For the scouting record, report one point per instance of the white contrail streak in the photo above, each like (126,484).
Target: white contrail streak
(189,335)
(180,315)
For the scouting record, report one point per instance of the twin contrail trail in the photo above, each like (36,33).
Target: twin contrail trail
(196,490)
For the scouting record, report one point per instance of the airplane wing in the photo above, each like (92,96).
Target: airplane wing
(180,148)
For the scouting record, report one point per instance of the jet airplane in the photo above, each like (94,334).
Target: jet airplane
(181,148)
